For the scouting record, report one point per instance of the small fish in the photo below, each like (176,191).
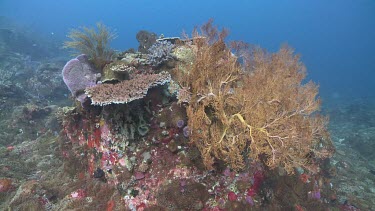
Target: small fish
(372,172)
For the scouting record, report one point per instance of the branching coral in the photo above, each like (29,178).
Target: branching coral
(160,52)
(257,108)
(93,43)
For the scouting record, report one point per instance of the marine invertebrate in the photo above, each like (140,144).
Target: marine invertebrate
(93,43)
(78,74)
(180,123)
(125,91)
(186,131)
(160,52)
(257,108)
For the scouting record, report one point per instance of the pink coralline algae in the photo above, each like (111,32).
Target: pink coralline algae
(232,196)
(108,159)
(78,194)
(122,162)
(258,180)
(10,148)
(105,132)
(139,175)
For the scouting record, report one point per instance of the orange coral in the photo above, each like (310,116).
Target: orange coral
(257,107)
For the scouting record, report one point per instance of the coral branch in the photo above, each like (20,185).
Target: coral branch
(258,106)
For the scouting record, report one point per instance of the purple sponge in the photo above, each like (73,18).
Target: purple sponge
(78,74)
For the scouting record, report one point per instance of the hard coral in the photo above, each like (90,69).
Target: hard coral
(257,107)
(160,52)
(126,91)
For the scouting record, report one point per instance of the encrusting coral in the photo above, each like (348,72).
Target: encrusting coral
(252,105)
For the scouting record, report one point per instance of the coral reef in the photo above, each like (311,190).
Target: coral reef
(93,43)
(214,128)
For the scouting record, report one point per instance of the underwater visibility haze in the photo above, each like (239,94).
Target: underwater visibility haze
(187,105)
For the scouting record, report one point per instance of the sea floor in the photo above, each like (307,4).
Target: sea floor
(352,126)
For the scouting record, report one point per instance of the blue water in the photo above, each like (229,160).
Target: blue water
(335,38)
